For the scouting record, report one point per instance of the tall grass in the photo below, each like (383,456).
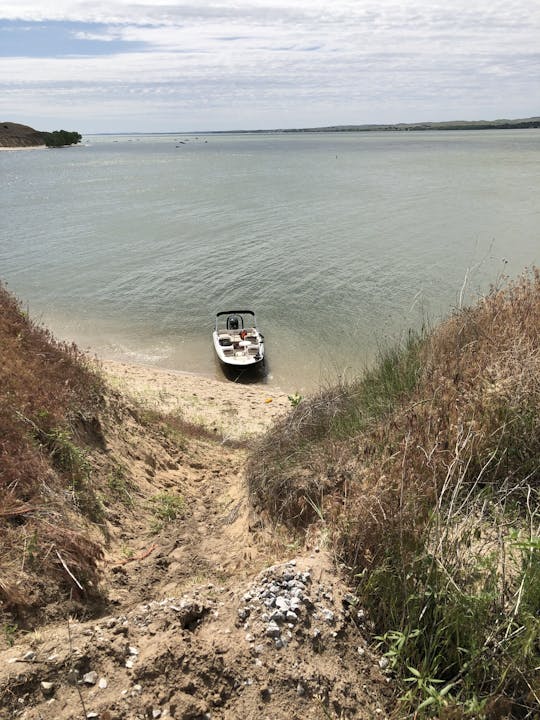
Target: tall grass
(50,401)
(427,474)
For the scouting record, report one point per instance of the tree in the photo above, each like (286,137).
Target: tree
(61,138)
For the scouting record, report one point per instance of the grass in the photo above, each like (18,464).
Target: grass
(294,466)
(50,401)
(166,507)
(427,474)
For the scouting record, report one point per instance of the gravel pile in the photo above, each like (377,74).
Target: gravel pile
(285,605)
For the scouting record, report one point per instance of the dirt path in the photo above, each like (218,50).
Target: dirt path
(211,614)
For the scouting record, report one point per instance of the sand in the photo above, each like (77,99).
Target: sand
(234,410)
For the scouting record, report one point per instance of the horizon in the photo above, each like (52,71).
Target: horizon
(262,64)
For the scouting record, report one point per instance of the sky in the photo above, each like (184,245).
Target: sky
(162,66)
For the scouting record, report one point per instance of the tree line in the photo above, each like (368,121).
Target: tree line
(60,138)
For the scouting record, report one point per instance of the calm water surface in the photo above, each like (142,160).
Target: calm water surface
(339,242)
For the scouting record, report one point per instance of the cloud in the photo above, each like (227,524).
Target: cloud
(344,61)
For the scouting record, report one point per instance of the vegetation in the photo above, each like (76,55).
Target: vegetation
(426,477)
(61,138)
(49,404)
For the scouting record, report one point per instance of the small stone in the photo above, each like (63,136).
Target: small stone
(277,616)
(29,655)
(90,678)
(328,615)
(102,684)
(300,690)
(384,663)
(92,714)
(133,650)
(282,603)
(129,663)
(156,713)
(137,688)
(47,688)
(249,638)
(361,651)
(272,630)
(292,617)
(279,643)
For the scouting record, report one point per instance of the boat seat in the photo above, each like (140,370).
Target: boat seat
(225,340)
(253,349)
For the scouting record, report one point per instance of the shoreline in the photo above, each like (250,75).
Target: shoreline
(233,410)
(5,148)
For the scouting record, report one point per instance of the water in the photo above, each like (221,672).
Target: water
(339,242)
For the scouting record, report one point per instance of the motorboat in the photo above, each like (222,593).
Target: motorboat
(237,341)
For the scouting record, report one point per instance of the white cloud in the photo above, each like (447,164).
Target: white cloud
(345,61)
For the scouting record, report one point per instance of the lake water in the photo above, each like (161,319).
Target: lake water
(339,242)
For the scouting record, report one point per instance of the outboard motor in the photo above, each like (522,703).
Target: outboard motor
(233,322)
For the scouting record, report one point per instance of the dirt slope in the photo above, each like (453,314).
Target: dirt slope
(209,614)
(15,135)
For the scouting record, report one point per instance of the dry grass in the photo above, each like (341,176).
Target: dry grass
(49,406)
(427,475)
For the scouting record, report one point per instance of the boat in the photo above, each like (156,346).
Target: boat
(237,341)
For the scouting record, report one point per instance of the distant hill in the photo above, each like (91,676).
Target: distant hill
(503,124)
(13,135)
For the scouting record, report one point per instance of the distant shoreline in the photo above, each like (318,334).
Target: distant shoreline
(502,124)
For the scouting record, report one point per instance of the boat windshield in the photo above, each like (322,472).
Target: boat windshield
(235,320)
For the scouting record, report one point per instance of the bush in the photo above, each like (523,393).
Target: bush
(61,138)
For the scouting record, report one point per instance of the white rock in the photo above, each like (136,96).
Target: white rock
(384,663)
(282,603)
(133,650)
(273,630)
(102,683)
(90,678)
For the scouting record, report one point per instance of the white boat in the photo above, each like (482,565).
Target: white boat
(237,341)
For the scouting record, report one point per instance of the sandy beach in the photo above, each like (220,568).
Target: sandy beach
(234,410)
(30,147)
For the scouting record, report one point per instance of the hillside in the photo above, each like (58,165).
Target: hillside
(190,549)
(13,135)
(135,579)
(425,474)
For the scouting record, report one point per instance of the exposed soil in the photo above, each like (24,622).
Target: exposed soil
(211,614)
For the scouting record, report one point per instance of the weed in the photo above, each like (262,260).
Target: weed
(166,508)
(9,632)
(119,486)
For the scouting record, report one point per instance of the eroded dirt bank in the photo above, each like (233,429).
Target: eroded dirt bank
(211,612)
